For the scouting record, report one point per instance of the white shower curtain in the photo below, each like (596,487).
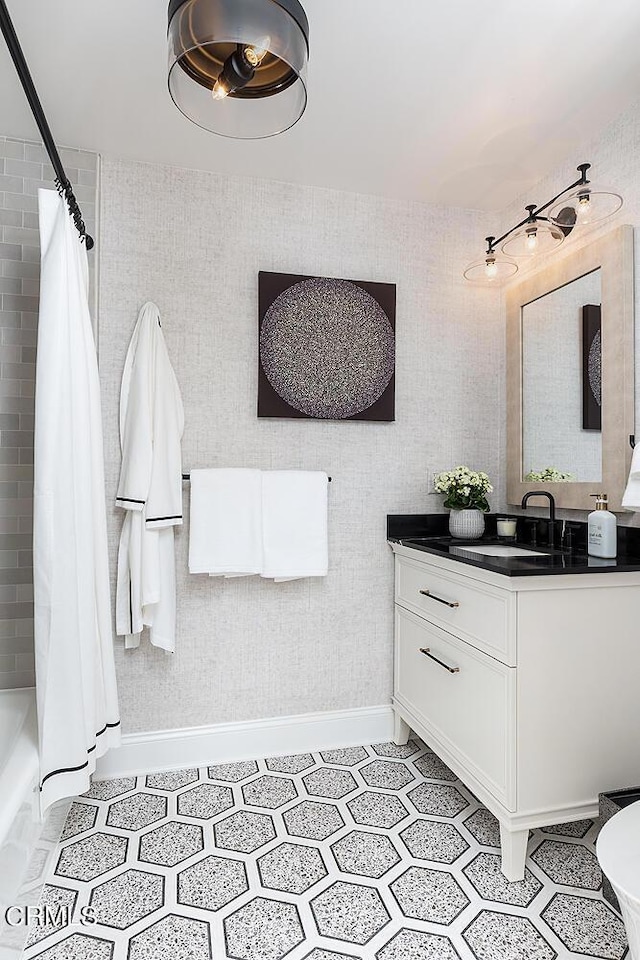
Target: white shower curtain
(78,715)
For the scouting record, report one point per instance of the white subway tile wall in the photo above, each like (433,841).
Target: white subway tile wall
(24,167)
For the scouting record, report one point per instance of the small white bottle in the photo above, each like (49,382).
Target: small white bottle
(602,540)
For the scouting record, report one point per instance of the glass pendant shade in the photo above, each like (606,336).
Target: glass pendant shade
(491,269)
(532,239)
(238,67)
(584,206)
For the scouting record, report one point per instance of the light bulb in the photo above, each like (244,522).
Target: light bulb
(491,269)
(532,240)
(583,208)
(256,54)
(220,90)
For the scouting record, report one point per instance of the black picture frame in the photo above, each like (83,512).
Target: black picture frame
(591,366)
(270,403)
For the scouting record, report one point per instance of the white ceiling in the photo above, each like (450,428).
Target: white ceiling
(461,102)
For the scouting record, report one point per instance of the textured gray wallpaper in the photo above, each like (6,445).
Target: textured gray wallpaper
(24,168)
(194,242)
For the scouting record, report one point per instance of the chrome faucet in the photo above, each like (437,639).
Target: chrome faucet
(552,510)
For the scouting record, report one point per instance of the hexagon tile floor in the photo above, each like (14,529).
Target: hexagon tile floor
(374,853)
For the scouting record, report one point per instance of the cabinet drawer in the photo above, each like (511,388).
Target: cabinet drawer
(471,711)
(482,614)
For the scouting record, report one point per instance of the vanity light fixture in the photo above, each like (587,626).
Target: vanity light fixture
(238,67)
(544,228)
(536,235)
(586,204)
(492,269)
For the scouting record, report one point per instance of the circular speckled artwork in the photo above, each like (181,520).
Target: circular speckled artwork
(595,368)
(327,349)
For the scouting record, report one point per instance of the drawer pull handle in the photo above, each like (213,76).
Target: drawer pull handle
(432,596)
(427,653)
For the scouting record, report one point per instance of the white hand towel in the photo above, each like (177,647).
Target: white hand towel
(226,522)
(631,498)
(294,524)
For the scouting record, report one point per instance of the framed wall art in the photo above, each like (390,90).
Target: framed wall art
(591,367)
(327,348)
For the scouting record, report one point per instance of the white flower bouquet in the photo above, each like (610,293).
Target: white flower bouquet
(465,489)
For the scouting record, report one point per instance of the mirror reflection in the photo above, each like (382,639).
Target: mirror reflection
(561,387)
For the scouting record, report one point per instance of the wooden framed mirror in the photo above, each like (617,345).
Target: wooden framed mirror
(570,374)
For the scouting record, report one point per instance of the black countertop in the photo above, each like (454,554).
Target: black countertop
(428,533)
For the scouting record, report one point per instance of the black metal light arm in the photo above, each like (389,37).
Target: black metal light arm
(534,212)
(63,184)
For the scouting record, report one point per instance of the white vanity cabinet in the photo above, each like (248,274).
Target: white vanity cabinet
(527,687)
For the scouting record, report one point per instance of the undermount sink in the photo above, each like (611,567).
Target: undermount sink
(503,550)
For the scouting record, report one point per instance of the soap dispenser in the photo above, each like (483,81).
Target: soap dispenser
(602,538)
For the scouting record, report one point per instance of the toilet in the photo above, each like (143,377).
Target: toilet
(618,850)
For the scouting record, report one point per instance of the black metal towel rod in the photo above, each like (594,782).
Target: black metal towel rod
(63,184)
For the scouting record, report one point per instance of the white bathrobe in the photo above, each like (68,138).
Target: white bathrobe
(150,488)
(78,715)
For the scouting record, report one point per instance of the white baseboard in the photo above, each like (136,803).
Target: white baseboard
(199,746)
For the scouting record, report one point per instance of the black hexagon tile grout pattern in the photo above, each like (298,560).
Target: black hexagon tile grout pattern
(353,853)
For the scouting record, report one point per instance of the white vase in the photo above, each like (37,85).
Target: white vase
(466,524)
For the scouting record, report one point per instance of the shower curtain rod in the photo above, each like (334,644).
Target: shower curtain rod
(62,182)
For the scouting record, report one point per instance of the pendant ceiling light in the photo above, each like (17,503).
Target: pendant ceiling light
(545,228)
(238,67)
